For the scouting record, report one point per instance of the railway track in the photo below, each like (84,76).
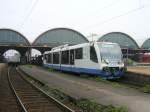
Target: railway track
(29,97)
(8,101)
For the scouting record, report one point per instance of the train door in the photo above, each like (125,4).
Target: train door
(65,60)
(72,58)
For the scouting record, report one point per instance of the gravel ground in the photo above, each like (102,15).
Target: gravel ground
(100,92)
(140,69)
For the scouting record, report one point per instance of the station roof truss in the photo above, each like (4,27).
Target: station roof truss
(59,36)
(10,37)
(124,40)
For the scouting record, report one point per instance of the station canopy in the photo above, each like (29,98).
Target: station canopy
(10,37)
(124,40)
(59,36)
(146,44)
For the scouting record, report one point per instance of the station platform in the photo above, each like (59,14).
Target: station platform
(143,70)
(100,92)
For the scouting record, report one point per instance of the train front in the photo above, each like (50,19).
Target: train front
(111,60)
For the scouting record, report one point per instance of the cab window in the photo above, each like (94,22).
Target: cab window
(93,55)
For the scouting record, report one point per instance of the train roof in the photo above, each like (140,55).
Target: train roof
(68,47)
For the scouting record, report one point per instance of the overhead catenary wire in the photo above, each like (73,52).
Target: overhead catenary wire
(140,3)
(28,15)
(101,9)
(118,16)
(108,6)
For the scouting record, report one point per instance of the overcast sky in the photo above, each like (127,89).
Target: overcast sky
(33,17)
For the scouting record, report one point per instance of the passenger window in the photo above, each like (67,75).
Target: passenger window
(65,57)
(93,55)
(56,58)
(79,53)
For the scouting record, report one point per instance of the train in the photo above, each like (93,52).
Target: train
(102,59)
(14,59)
(146,58)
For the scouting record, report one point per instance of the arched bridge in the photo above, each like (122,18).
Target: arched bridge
(11,39)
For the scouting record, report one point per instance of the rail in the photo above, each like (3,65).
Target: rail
(19,83)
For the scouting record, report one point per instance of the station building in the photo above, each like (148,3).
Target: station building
(146,44)
(11,39)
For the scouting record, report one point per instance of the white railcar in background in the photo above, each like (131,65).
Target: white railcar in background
(96,58)
(14,59)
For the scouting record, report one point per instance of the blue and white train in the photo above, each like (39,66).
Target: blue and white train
(96,58)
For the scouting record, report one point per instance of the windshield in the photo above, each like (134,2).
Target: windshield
(110,51)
